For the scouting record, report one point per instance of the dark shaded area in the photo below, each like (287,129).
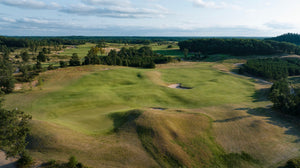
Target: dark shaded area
(261,95)
(121,118)
(240,47)
(235,160)
(163,158)
(272,68)
(232,119)
(290,123)
(10,165)
(159,108)
(288,37)
(292,163)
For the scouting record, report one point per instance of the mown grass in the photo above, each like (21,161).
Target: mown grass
(81,50)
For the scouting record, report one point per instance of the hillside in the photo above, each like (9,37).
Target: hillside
(289,37)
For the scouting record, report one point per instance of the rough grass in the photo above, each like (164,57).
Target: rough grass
(185,140)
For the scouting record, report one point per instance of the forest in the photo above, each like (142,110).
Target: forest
(238,47)
(289,37)
(272,68)
(284,97)
(132,57)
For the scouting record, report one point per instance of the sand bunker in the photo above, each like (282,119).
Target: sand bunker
(178,86)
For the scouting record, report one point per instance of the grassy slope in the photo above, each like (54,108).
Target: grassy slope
(74,109)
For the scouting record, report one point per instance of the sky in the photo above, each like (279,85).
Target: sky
(149,17)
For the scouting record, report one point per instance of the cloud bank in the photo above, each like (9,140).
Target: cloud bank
(99,8)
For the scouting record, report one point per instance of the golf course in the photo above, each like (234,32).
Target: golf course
(112,115)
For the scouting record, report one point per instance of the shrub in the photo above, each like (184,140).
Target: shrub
(72,162)
(63,64)
(25,161)
(50,67)
(293,163)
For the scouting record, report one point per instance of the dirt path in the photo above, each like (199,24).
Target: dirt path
(10,163)
(257,80)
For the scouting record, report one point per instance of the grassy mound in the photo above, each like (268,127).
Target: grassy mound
(185,140)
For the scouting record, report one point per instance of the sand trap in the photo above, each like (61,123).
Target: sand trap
(178,86)
(159,108)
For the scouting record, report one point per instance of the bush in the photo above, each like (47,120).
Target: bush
(25,161)
(293,163)
(74,61)
(50,67)
(63,64)
(72,162)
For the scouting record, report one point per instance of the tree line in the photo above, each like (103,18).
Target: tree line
(289,37)
(238,47)
(272,68)
(284,98)
(143,57)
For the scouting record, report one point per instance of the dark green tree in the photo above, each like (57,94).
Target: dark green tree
(14,128)
(63,64)
(186,52)
(7,81)
(74,61)
(25,56)
(41,57)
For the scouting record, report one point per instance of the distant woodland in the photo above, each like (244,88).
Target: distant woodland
(238,47)
(289,37)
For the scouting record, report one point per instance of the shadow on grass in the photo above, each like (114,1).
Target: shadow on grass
(232,119)
(121,118)
(261,95)
(172,52)
(10,165)
(290,123)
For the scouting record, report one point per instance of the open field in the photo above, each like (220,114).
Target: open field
(81,50)
(89,112)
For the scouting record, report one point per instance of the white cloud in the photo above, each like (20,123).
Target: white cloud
(107,2)
(29,4)
(212,4)
(279,25)
(114,11)
(100,8)
(6,19)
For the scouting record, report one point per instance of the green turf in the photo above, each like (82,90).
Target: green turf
(81,50)
(163,49)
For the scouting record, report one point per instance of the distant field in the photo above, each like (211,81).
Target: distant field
(81,50)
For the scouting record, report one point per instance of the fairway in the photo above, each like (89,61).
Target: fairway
(81,50)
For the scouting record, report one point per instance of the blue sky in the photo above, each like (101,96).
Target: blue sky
(149,17)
